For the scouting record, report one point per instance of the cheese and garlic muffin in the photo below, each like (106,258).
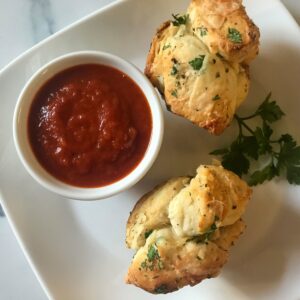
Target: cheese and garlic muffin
(176,243)
(199,62)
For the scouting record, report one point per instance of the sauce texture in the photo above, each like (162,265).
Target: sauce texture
(89,125)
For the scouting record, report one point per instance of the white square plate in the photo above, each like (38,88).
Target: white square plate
(77,249)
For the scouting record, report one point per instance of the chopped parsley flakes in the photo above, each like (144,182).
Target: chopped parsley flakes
(179,19)
(219,55)
(153,259)
(166,46)
(148,233)
(217,97)
(204,238)
(209,233)
(174,93)
(203,31)
(152,253)
(197,62)
(162,289)
(174,70)
(234,36)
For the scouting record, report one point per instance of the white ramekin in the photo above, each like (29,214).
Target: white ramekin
(20,123)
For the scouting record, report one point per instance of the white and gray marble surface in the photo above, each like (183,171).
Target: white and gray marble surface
(24,23)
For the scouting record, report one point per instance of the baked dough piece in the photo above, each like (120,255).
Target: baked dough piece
(167,258)
(201,66)
(151,211)
(214,196)
(167,262)
(230,32)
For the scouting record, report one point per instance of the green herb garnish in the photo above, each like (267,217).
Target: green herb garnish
(148,233)
(234,36)
(219,55)
(144,265)
(179,19)
(152,253)
(165,47)
(174,93)
(174,70)
(162,289)
(153,259)
(215,98)
(197,62)
(204,238)
(282,155)
(210,232)
(160,264)
(203,31)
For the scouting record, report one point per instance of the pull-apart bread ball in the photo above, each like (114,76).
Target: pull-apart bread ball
(199,62)
(151,211)
(183,229)
(214,196)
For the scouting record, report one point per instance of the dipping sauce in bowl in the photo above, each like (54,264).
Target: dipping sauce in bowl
(89,125)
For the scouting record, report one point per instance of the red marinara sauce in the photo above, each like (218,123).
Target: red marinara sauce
(89,125)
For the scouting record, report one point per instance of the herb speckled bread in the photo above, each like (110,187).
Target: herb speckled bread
(199,62)
(183,229)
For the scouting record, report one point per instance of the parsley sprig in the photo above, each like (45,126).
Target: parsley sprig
(282,155)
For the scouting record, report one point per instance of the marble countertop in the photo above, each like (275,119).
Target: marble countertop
(23,24)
